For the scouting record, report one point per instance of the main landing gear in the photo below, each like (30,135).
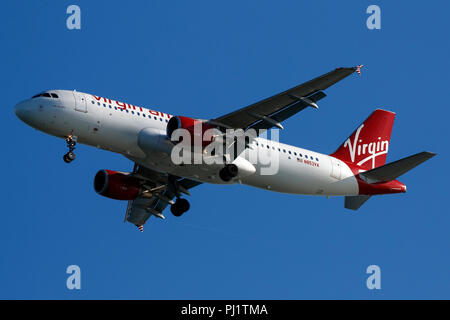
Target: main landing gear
(71,141)
(179,207)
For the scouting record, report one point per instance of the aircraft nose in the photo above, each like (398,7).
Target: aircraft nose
(21,111)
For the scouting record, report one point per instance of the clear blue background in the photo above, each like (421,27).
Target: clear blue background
(205,59)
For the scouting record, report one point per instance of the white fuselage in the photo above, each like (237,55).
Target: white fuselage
(139,134)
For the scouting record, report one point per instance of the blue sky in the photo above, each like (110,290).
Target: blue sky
(204,59)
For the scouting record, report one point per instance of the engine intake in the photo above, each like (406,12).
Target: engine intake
(240,168)
(228,172)
(116,185)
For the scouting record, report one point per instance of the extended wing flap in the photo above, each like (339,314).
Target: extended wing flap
(138,213)
(164,189)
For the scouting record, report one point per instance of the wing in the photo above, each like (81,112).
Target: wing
(159,191)
(271,111)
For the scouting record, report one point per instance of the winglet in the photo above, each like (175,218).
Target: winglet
(358,69)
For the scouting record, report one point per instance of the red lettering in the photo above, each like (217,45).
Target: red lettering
(311,163)
(124,106)
(121,105)
(136,107)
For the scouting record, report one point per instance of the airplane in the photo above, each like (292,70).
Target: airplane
(357,170)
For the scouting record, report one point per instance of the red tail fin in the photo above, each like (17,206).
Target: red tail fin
(368,146)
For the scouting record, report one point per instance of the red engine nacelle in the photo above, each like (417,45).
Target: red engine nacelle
(116,185)
(180,122)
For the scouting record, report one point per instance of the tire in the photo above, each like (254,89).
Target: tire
(66,159)
(71,156)
(179,207)
(175,210)
(183,204)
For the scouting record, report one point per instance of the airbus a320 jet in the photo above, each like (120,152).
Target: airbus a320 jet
(356,170)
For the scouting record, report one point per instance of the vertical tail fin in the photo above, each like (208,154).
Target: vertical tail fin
(368,145)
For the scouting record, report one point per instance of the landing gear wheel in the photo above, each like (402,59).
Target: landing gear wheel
(179,207)
(71,142)
(69,157)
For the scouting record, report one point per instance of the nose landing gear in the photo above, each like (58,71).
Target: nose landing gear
(71,141)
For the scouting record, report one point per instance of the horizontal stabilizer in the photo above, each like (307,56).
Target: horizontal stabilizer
(395,169)
(355,202)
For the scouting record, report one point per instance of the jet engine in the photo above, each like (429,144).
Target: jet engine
(116,185)
(240,168)
(195,127)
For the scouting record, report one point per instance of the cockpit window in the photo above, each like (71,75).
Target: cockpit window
(45,94)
